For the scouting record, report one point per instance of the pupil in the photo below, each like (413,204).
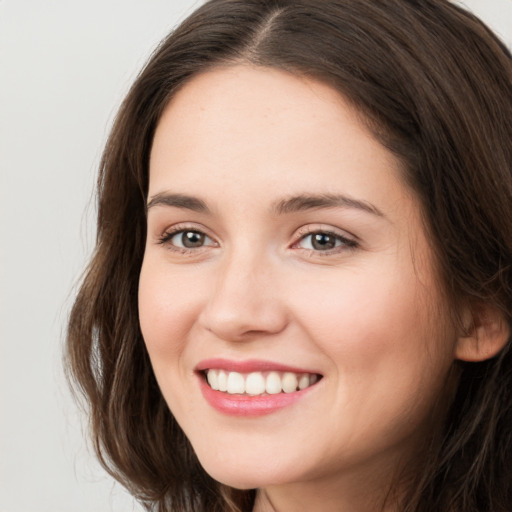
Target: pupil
(323,241)
(192,239)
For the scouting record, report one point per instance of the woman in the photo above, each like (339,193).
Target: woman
(301,293)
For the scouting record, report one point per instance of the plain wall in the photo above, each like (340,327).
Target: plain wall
(64,68)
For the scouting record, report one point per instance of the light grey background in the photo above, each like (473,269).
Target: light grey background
(64,68)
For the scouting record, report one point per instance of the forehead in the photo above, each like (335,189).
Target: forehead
(265,124)
(247,97)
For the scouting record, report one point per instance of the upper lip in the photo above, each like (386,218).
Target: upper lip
(248,366)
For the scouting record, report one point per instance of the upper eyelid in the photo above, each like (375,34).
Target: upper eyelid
(299,233)
(186,226)
(323,228)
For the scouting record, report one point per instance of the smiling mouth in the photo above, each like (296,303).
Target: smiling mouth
(259,383)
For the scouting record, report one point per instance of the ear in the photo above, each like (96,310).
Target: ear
(487,334)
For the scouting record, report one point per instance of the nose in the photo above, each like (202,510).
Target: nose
(245,301)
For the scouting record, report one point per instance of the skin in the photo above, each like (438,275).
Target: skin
(368,314)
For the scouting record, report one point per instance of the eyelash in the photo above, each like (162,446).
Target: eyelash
(344,243)
(168,235)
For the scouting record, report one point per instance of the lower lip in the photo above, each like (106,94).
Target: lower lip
(247,405)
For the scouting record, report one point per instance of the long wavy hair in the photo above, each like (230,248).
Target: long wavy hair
(435,87)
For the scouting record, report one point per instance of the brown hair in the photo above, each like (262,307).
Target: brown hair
(436,88)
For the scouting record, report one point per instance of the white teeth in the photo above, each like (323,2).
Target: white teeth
(304,381)
(273,384)
(222,380)
(255,384)
(258,383)
(289,382)
(213,379)
(236,383)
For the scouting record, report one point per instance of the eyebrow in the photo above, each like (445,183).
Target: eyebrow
(299,203)
(306,202)
(178,201)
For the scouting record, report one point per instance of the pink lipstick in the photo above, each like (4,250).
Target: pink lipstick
(253,387)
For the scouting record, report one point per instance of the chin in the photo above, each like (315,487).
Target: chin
(238,480)
(243,475)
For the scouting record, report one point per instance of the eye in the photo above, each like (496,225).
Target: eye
(324,241)
(186,239)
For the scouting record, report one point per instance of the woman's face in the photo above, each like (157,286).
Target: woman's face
(284,251)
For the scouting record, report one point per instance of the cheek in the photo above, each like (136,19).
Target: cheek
(167,310)
(359,305)
(389,356)
(378,328)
